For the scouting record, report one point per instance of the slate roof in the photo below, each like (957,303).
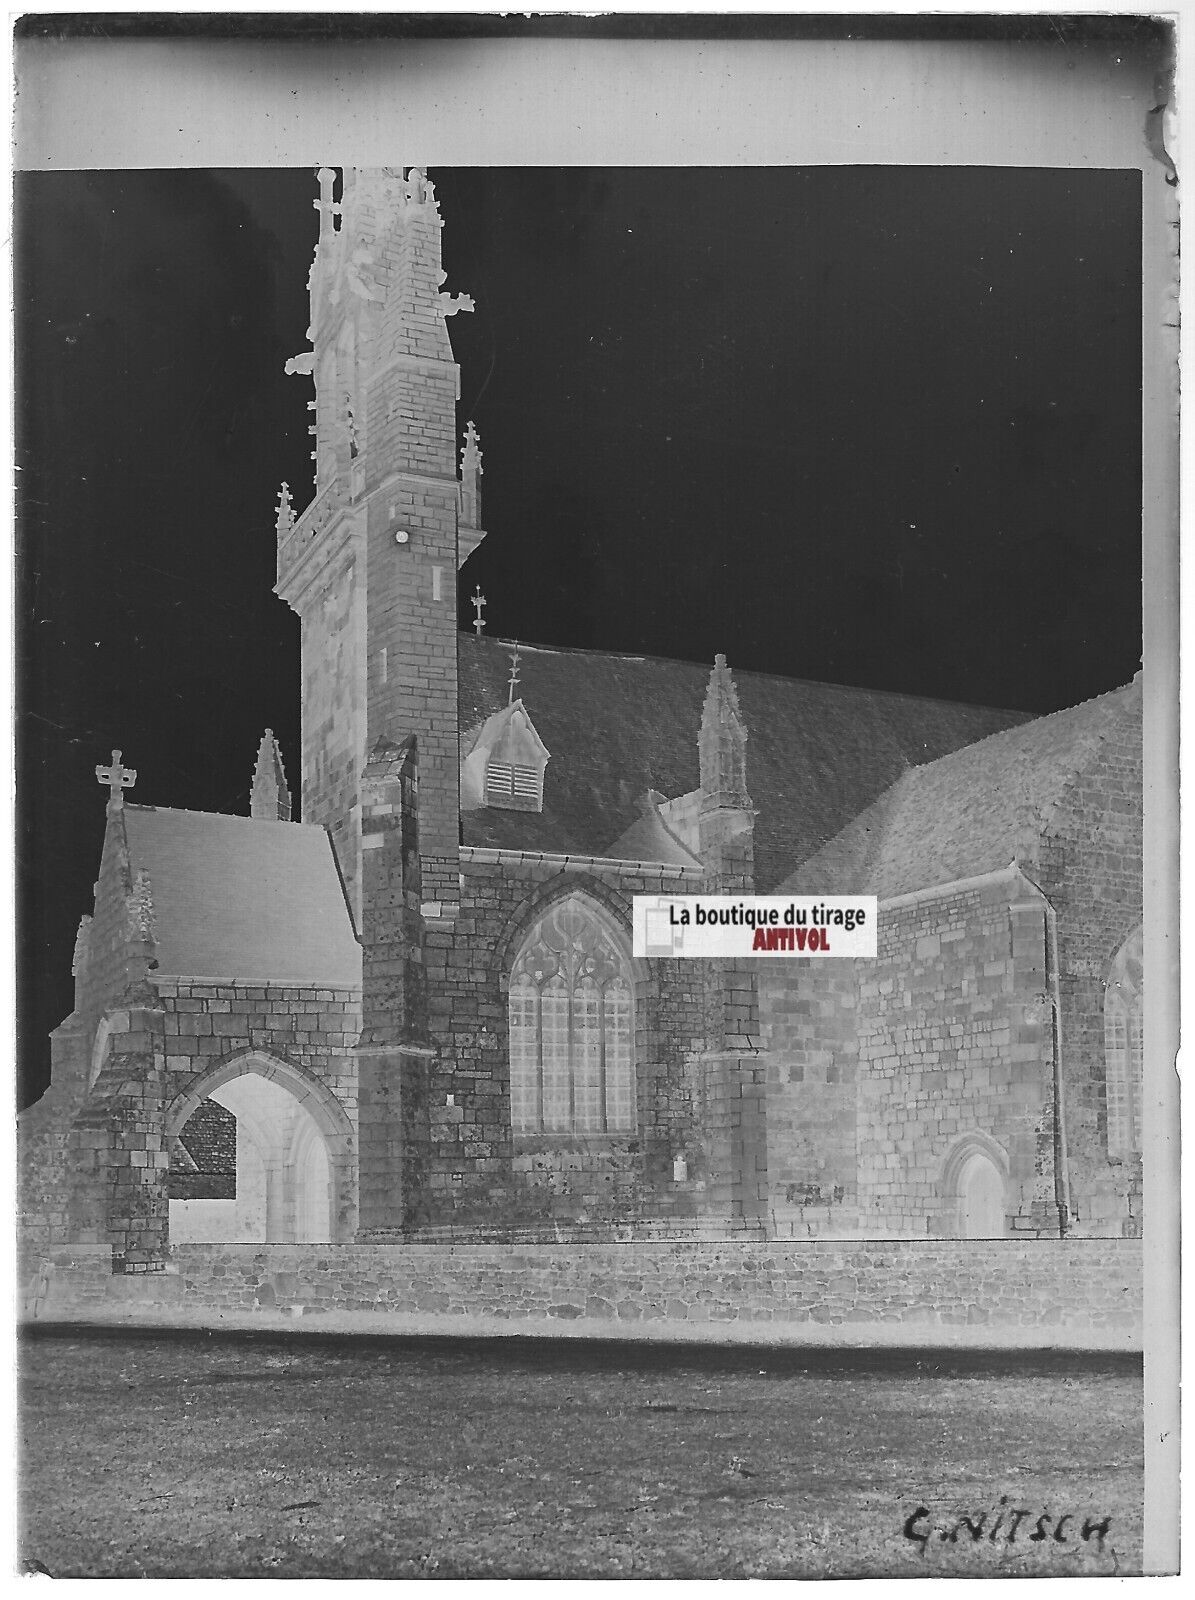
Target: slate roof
(618,725)
(204,1160)
(968,813)
(244,898)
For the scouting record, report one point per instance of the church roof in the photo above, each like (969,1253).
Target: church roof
(968,813)
(619,725)
(244,898)
(204,1163)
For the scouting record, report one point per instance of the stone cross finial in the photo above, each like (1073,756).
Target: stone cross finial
(118,779)
(471,471)
(479,607)
(284,521)
(325,205)
(514,673)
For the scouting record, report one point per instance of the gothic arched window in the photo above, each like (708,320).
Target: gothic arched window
(1122,1048)
(572,1025)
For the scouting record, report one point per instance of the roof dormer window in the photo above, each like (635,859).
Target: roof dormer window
(525,785)
(503,764)
(498,780)
(512,783)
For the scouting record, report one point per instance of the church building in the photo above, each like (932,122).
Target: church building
(404,1007)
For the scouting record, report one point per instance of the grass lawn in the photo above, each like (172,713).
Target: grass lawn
(234,1455)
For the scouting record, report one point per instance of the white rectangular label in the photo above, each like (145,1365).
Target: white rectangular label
(727,926)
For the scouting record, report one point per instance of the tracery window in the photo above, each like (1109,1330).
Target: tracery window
(1123,1048)
(572,1026)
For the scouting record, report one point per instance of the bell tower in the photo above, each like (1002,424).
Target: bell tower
(370,566)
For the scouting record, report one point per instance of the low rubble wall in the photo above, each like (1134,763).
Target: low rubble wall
(1083,1293)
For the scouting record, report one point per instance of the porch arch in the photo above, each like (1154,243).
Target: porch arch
(295,1143)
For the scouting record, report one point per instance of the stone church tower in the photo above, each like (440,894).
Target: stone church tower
(370,566)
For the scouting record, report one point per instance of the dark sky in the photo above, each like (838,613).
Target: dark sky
(870,425)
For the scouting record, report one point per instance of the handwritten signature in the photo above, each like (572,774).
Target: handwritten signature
(1005,1524)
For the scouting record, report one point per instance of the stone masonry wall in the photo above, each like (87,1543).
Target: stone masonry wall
(392,1090)
(208,1023)
(43,1130)
(116,1153)
(112,960)
(996,1291)
(333,634)
(478,1175)
(411,389)
(732,1140)
(412,638)
(94,1168)
(1091,867)
(43,1187)
(954,1040)
(808,1015)
(211,1020)
(58,1161)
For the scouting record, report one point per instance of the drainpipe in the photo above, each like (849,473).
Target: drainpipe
(1062,1175)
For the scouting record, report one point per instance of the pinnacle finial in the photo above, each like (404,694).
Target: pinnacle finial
(514,673)
(479,604)
(722,744)
(270,799)
(721,691)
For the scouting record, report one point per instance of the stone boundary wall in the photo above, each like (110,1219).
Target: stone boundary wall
(954,1042)
(999,1293)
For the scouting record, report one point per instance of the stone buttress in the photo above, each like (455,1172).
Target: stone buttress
(93,1156)
(731,1071)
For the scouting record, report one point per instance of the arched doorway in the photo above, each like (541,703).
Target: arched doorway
(980,1198)
(290,1138)
(974,1188)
